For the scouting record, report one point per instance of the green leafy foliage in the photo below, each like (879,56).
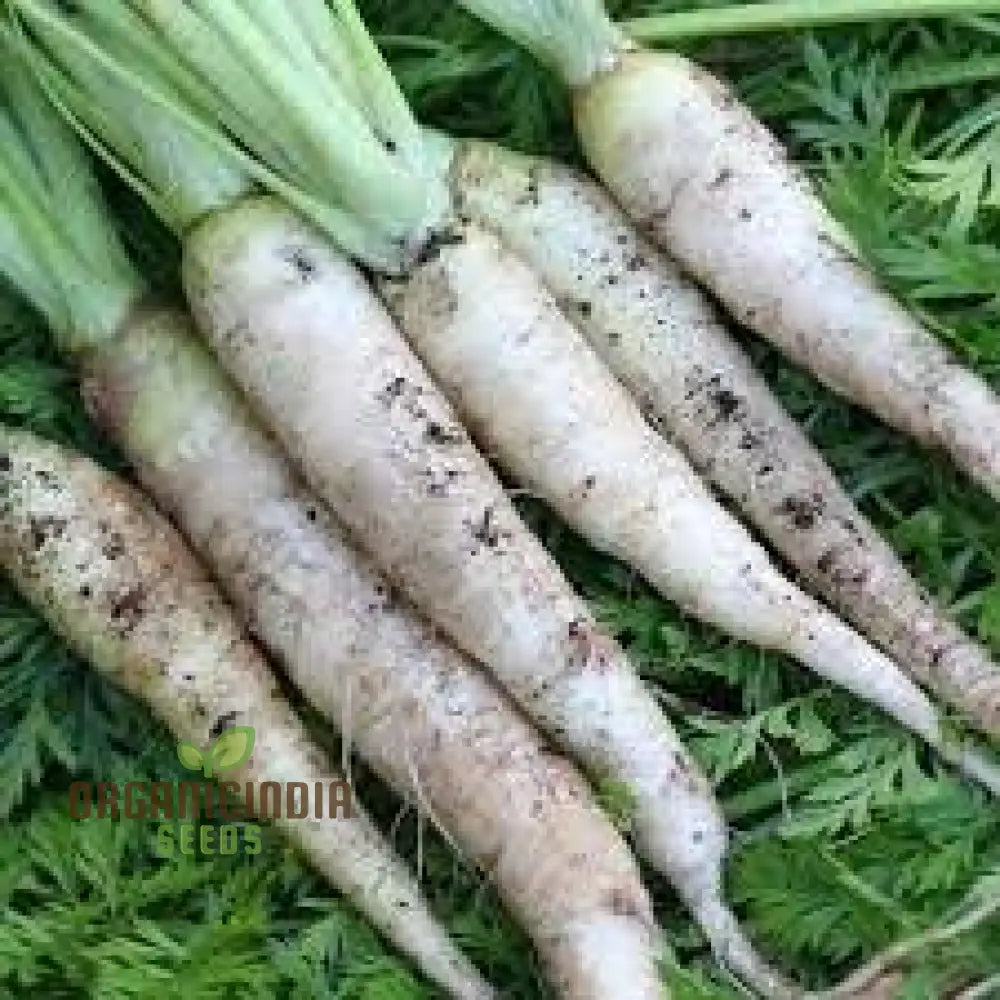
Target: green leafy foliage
(848,835)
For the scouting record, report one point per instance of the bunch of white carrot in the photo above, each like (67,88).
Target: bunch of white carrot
(418,711)
(355,407)
(706,181)
(118,583)
(462,237)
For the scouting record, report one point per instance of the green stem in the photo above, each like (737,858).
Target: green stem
(795,15)
(767,795)
(902,951)
(962,72)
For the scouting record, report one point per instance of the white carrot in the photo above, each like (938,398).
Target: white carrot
(423,716)
(427,720)
(376,440)
(543,402)
(297,328)
(662,338)
(322,360)
(118,583)
(692,164)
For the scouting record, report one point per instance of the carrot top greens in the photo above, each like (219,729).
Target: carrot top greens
(578,36)
(191,98)
(68,263)
(575,36)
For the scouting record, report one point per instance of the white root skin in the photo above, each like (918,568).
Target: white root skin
(691,163)
(422,715)
(119,584)
(537,396)
(320,357)
(662,338)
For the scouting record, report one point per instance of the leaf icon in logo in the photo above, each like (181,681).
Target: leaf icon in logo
(190,756)
(231,750)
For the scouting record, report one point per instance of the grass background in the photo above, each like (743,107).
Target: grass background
(847,834)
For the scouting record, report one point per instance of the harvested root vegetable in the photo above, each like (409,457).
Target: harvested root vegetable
(118,583)
(541,400)
(381,444)
(659,334)
(322,360)
(300,331)
(421,714)
(693,165)
(427,720)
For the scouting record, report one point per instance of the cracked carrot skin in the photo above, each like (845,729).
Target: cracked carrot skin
(122,588)
(419,712)
(664,340)
(717,190)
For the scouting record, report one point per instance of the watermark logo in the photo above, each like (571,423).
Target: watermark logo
(209,799)
(231,750)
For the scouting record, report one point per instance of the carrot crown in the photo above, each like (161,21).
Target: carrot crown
(193,99)
(576,37)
